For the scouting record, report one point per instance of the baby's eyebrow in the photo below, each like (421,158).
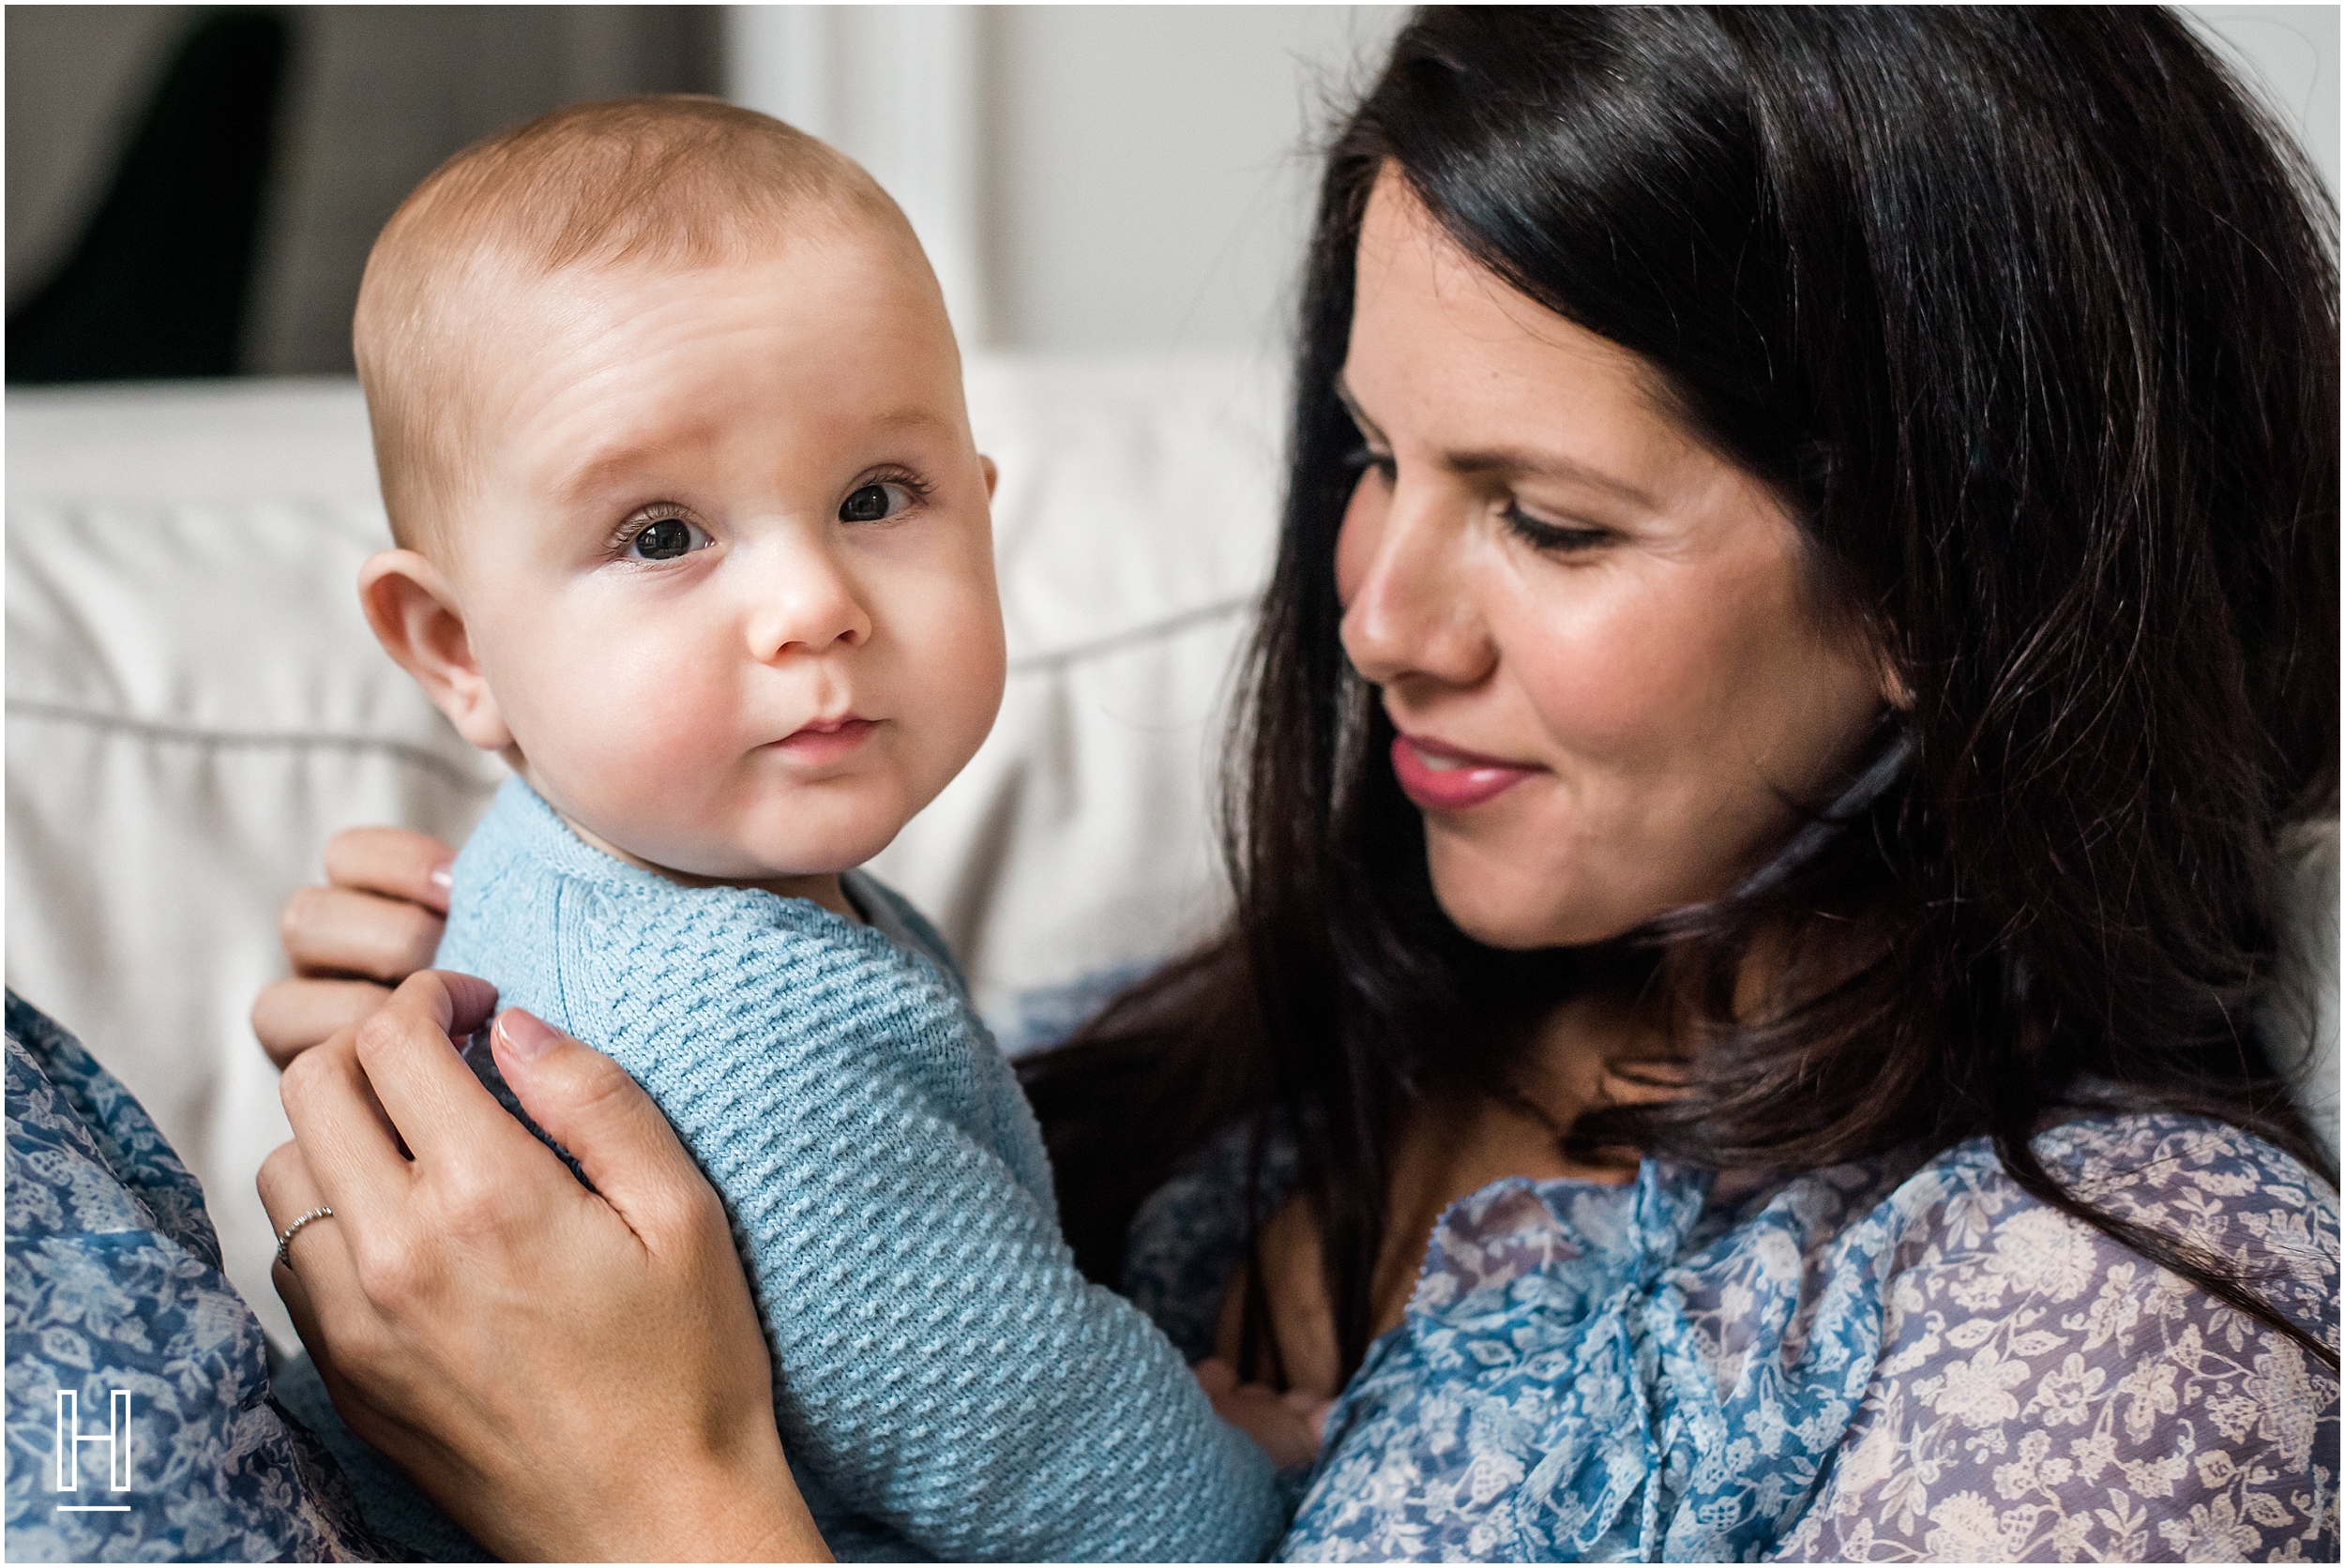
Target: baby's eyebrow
(906,418)
(608,464)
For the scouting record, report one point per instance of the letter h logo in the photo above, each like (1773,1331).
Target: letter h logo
(116,1438)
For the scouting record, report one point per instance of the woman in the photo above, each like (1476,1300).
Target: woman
(1807,612)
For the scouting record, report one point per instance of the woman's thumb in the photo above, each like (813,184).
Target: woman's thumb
(586,1103)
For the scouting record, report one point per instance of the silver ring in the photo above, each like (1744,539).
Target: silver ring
(294,1229)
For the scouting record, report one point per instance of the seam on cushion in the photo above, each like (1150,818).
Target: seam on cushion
(248,740)
(1058,658)
(1114,643)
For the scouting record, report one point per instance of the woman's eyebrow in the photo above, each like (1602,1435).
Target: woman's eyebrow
(1548,465)
(1510,459)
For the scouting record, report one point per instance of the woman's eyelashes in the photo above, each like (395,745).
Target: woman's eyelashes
(1552,538)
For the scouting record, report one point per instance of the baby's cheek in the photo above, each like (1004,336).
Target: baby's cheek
(962,715)
(635,744)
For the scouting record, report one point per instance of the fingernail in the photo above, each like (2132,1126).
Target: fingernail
(525,1036)
(444,876)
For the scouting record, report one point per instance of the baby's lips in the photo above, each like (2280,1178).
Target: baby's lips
(822,743)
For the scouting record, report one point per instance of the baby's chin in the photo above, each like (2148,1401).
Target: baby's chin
(748,857)
(764,862)
(758,837)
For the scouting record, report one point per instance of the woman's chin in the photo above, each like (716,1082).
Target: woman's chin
(1519,918)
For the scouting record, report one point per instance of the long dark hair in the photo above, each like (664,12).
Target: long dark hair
(2031,319)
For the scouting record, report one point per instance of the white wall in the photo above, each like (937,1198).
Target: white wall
(2289,54)
(1144,173)
(1136,176)
(1152,168)
(903,89)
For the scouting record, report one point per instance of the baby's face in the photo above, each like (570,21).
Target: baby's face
(729,574)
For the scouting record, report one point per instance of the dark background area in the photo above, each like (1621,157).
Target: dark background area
(191,192)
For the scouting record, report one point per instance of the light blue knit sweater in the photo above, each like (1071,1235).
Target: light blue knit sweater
(947,1383)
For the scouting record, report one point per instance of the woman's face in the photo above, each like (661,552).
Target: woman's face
(1595,636)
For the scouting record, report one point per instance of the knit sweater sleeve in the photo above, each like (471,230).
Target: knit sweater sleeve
(940,1364)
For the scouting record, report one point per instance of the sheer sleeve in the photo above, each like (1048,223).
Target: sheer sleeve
(2045,1394)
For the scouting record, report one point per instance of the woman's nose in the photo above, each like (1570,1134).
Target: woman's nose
(1408,605)
(802,602)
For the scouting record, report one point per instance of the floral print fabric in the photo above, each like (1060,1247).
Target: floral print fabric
(2045,1394)
(1877,1363)
(114,1283)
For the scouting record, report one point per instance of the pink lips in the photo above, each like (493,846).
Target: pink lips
(1443,778)
(826,740)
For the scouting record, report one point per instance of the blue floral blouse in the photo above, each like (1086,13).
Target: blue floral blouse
(1879,1362)
(1882,1362)
(127,1342)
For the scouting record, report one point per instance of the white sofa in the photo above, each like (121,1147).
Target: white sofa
(194,706)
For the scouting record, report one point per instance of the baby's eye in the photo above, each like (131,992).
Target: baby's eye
(875,502)
(664,539)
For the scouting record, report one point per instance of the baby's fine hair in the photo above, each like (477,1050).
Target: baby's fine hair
(669,180)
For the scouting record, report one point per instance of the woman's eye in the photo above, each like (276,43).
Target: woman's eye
(874,503)
(1549,537)
(1365,458)
(664,540)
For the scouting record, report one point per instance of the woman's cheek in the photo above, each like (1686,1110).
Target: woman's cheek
(1610,680)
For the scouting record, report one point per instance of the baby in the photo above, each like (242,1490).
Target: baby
(692,532)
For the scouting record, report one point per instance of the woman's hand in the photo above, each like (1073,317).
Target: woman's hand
(376,922)
(1289,1426)
(570,1374)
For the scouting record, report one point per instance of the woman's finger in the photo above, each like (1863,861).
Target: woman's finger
(318,1273)
(291,1016)
(1312,1408)
(359,1102)
(319,1251)
(589,1105)
(407,1053)
(288,1191)
(330,931)
(342,1129)
(393,861)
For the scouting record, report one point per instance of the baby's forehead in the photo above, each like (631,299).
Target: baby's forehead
(595,368)
(515,294)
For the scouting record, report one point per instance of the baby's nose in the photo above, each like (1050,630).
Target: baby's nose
(805,604)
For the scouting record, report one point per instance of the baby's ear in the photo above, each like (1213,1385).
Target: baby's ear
(417,619)
(992,475)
